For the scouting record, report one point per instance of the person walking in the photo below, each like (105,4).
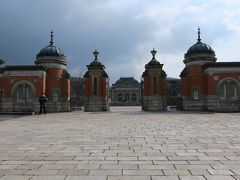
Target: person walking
(42,102)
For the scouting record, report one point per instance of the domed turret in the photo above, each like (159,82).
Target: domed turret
(96,64)
(199,53)
(51,56)
(153,64)
(154,86)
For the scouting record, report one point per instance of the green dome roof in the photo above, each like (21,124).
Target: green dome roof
(51,49)
(200,48)
(126,81)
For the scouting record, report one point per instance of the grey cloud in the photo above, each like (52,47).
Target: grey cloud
(117,28)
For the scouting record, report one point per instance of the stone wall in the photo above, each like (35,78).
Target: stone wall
(211,103)
(95,104)
(154,103)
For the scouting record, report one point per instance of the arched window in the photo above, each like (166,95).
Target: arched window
(126,97)
(24,92)
(134,97)
(228,91)
(120,97)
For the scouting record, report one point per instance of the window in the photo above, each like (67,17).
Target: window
(195,94)
(134,98)
(126,97)
(95,86)
(155,85)
(232,91)
(120,97)
(228,91)
(24,92)
(222,91)
(56,95)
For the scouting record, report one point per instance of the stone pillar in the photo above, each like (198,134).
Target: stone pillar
(154,86)
(96,87)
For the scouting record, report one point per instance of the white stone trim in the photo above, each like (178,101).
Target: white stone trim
(222,69)
(200,62)
(25,73)
(52,65)
(126,88)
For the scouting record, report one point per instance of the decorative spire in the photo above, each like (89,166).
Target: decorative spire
(95,53)
(199,35)
(51,42)
(153,53)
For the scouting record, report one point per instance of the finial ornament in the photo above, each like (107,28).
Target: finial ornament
(199,35)
(153,53)
(51,42)
(95,53)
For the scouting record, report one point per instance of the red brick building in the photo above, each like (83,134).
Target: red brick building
(207,84)
(96,87)
(154,86)
(21,86)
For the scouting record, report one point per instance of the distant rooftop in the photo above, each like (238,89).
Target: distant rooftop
(126,81)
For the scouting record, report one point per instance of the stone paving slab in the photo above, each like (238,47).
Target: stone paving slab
(124,144)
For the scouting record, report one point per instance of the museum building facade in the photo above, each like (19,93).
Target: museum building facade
(126,91)
(22,85)
(207,85)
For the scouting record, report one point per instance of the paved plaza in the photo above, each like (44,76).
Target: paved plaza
(124,144)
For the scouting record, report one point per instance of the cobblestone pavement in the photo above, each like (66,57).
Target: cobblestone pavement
(125,144)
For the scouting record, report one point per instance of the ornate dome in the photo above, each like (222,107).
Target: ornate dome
(50,50)
(51,56)
(199,53)
(200,47)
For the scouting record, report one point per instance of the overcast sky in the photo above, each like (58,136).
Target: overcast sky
(123,31)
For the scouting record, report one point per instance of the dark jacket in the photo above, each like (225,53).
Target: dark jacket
(42,100)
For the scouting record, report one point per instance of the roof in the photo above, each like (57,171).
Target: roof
(200,47)
(51,49)
(126,82)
